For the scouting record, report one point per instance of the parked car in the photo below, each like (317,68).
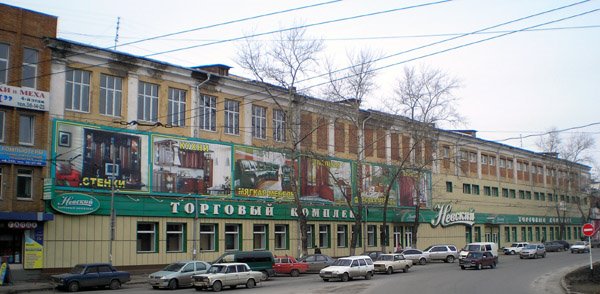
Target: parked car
(580,247)
(566,245)
(287,265)
(373,254)
(230,275)
(90,275)
(515,248)
(478,260)
(390,263)
(261,261)
(346,268)
(533,251)
(417,256)
(553,247)
(447,253)
(178,274)
(479,246)
(316,262)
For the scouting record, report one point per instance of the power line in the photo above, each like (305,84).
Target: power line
(549,132)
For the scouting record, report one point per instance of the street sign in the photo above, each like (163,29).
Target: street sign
(588,230)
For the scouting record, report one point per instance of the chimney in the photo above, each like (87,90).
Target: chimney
(220,69)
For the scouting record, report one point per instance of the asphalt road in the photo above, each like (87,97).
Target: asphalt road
(513,275)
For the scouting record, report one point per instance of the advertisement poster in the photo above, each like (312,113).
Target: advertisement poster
(325,180)
(190,167)
(34,254)
(415,189)
(96,159)
(262,173)
(376,179)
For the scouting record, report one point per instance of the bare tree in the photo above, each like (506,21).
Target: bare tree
(290,58)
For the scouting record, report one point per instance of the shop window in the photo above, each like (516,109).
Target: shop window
(208,237)
(514,234)
(384,233)
(281,236)
(4,50)
(29,70)
(26,129)
(371,235)
(232,237)
(260,237)
(232,117)
(77,90)
(537,234)
(147,237)
(477,233)
(324,236)
(177,107)
(342,236)
(175,237)
(449,187)
(523,234)
(506,234)
(208,113)
(24,183)
(259,122)
(111,92)
(310,229)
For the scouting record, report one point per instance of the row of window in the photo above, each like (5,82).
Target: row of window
(512,193)
(29,67)
(531,234)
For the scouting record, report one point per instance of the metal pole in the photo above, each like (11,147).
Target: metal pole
(112,202)
(591,263)
(195,228)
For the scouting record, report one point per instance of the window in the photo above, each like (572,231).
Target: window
(310,236)
(208,235)
(208,113)
(466,188)
(279,125)
(487,191)
(484,159)
(504,192)
(463,155)
(509,163)
(146,237)
(29,70)
(512,193)
(542,197)
(1,181)
(371,235)
(324,236)
(475,189)
(281,236)
(111,89)
(495,191)
(472,157)
(502,163)
(77,90)
(232,117)
(528,195)
(449,187)
(550,197)
(24,183)
(2,124)
(148,102)
(342,236)
(176,111)
(521,194)
(506,234)
(26,134)
(446,151)
(536,195)
(259,122)
(492,161)
(4,49)
(232,237)
(175,237)
(260,237)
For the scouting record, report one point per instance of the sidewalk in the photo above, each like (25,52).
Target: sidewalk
(42,285)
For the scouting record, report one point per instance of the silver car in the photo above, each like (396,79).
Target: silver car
(227,275)
(178,274)
(533,251)
(417,256)
(447,253)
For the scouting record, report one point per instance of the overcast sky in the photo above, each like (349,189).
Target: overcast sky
(513,86)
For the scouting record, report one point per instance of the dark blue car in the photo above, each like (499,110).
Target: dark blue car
(90,275)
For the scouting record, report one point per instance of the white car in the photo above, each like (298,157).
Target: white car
(515,248)
(390,263)
(221,275)
(580,246)
(347,268)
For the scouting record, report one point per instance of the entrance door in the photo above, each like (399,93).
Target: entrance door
(408,237)
(397,236)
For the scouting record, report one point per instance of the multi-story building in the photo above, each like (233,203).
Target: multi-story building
(24,105)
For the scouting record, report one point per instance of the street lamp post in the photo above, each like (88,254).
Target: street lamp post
(112,201)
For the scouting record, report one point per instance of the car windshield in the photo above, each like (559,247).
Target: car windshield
(475,254)
(78,269)
(530,246)
(173,267)
(472,247)
(579,243)
(427,249)
(514,245)
(386,257)
(342,262)
(216,269)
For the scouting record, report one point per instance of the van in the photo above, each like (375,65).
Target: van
(261,261)
(479,246)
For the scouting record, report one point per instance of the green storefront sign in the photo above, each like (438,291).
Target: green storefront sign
(75,204)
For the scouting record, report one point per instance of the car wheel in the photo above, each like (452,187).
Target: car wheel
(294,273)
(73,287)
(250,284)
(572,251)
(325,280)
(462,267)
(114,285)
(217,286)
(512,252)
(450,259)
(154,287)
(368,276)
(172,284)
(406,268)
(345,277)
(198,288)
(494,264)
(422,261)
(389,270)
(265,276)
(479,266)
(535,256)
(521,257)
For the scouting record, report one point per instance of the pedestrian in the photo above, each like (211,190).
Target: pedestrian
(398,247)
(317,250)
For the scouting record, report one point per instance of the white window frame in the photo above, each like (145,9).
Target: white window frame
(281,232)
(484,159)
(235,234)
(260,237)
(27,175)
(324,236)
(148,101)
(29,64)
(492,160)
(77,90)
(4,64)
(310,236)
(178,234)
(177,107)
(509,163)
(472,157)
(279,125)
(208,235)
(232,117)
(371,235)
(342,236)
(502,163)
(152,233)
(30,129)
(112,94)
(259,122)
(446,151)
(208,113)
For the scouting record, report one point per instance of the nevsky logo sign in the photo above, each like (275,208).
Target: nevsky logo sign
(445,217)
(75,204)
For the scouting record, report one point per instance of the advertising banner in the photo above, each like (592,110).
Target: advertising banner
(190,167)
(34,254)
(376,180)
(91,158)
(262,173)
(325,180)
(415,188)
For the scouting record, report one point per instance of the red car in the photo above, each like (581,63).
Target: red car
(289,266)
